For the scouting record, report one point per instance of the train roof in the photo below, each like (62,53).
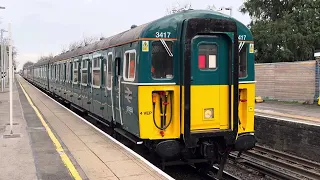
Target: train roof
(145,31)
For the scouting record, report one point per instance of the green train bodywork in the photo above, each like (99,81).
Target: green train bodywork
(118,106)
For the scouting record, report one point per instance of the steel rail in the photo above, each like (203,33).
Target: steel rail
(211,173)
(262,168)
(278,164)
(289,157)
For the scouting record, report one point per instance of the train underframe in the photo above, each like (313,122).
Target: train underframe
(206,150)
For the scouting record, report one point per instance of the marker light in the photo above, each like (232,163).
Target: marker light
(208,113)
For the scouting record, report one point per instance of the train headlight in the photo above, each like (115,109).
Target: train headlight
(208,113)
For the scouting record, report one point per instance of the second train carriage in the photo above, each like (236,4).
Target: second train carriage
(183,85)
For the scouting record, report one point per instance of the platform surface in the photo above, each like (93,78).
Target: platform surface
(27,153)
(16,159)
(296,112)
(35,156)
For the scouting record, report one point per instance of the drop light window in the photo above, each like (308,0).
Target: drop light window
(207,57)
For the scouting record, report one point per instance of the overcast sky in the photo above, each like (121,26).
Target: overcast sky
(40,27)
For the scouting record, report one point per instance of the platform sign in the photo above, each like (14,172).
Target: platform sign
(145,46)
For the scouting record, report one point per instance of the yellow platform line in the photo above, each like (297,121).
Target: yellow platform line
(65,159)
(308,118)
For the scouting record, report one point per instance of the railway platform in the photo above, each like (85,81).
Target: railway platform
(54,143)
(308,114)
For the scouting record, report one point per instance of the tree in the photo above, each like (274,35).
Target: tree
(14,51)
(284,30)
(64,49)
(28,63)
(84,42)
(89,40)
(44,58)
(75,45)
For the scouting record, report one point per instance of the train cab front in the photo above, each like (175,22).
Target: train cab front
(211,88)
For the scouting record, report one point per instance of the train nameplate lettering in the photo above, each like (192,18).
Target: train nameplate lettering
(242,37)
(163,34)
(146,113)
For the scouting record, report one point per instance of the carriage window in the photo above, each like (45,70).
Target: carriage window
(107,72)
(96,62)
(243,61)
(51,70)
(64,71)
(130,66)
(67,71)
(207,56)
(70,72)
(96,72)
(55,71)
(84,72)
(75,71)
(162,63)
(58,72)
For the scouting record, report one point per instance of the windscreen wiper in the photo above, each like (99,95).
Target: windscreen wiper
(241,46)
(166,47)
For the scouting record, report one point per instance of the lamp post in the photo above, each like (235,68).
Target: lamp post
(2,59)
(10,77)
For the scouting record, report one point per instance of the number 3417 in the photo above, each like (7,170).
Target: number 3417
(163,34)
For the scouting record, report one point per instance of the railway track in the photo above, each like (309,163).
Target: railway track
(190,172)
(225,175)
(278,164)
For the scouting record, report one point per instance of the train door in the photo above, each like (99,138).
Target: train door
(107,99)
(87,88)
(116,85)
(209,108)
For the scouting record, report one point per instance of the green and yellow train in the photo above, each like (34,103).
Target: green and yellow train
(182,85)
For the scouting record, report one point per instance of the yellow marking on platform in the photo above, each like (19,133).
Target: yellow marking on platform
(308,118)
(65,159)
